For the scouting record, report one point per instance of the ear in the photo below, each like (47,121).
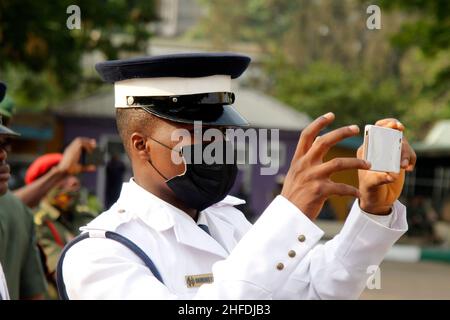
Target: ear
(139,146)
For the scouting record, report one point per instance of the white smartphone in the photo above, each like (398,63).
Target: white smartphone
(383,148)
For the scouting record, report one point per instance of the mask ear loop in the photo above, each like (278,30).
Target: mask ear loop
(159,172)
(180,152)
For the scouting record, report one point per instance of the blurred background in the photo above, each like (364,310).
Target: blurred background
(308,57)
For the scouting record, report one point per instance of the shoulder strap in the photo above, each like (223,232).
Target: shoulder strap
(56,236)
(108,235)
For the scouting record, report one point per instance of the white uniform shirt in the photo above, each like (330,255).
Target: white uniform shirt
(277,258)
(3,287)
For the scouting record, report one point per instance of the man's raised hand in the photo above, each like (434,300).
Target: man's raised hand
(308,184)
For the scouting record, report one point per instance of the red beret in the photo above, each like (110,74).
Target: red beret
(41,166)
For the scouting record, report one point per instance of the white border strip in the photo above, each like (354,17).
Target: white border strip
(169,86)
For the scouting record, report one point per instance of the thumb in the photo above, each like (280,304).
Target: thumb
(379,179)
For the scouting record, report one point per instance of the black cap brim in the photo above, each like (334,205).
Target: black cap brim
(228,117)
(5,131)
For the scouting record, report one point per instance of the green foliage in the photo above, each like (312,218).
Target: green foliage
(41,58)
(259,21)
(319,56)
(430,29)
(429,32)
(323,87)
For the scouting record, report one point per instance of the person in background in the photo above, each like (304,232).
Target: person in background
(19,255)
(115,170)
(422,219)
(3,287)
(27,279)
(60,213)
(7,110)
(31,194)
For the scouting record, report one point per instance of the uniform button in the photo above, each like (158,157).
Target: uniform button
(301,238)
(291,253)
(280,266)
(121,210)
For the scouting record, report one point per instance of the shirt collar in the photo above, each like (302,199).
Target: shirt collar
(154,211)
(161,215)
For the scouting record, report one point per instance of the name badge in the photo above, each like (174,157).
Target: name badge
(196,280)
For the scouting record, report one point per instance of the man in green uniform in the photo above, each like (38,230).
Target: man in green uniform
(19,255)
(6,110)
(59,215)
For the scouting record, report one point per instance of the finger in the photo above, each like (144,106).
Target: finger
(413,159)
(380,178)
(341,164)
(4,177)
(75,169)
(325,142)
(409,157)
(80,143)
(341,189)
(393,176)
(310,133)
(5,168)
(390,123)
(90,168)
(405,155)
(88,144)
(411,166)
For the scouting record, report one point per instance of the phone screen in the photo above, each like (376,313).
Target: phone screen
(96,157)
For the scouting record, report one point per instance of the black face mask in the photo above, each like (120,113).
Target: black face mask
(202,184)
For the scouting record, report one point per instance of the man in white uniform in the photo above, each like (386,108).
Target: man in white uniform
(179,214)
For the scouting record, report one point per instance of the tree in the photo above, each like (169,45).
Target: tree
(304,32)
(424,41)
(320,56)
(322,87)
(41,58)
(430,28)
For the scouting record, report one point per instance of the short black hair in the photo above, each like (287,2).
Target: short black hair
(130,120)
